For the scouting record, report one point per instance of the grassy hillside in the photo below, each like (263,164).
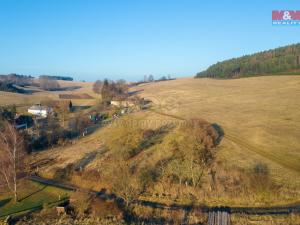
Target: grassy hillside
(139,152)
(284,60)
(35,95)
(260,118)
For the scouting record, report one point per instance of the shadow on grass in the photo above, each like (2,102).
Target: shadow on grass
(83,107)
(150,138)
(131,93)
(220,132)
(33,193)
(4,201)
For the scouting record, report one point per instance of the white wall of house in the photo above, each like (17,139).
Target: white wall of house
(122,103)
(36,112)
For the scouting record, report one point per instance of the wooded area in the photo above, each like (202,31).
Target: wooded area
(284,60)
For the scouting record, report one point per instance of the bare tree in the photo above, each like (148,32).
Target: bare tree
(124,184)
(145,78)
(11,157)
(48,84)
(97,86)
(151,78)
(63,110)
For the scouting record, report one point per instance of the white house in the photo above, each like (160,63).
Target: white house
(122,103)
(40,110)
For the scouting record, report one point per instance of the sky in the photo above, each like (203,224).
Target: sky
(127,39)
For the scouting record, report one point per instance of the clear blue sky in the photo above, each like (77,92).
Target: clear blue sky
(91,40)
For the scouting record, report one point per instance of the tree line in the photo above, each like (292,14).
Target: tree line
(283,60)
(110,90)
(56,77)
(10,82)
(15,82)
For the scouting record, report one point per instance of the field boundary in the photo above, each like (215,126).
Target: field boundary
(272,210)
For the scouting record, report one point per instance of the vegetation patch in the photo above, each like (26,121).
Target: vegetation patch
(75,96)
(284,60)
(32,196)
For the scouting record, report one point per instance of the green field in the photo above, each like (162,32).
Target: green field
(32,196)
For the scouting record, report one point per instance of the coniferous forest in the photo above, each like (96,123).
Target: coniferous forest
(281,61)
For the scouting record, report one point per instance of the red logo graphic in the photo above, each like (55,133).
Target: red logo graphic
(286,15)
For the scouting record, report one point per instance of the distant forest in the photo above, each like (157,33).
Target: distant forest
(56,77)
(283,60)
(14,82)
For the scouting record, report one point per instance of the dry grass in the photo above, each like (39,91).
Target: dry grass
(260,117)
(22,101)
(265,220)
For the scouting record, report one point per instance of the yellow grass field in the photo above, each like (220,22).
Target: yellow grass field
(260,117)
(22,101)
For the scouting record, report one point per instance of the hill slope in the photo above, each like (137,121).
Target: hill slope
(284,60)
(261,111)
(261,129)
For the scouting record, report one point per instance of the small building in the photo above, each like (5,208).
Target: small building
(40,110)
(122,103)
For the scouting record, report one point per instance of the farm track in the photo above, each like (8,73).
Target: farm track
(268,155)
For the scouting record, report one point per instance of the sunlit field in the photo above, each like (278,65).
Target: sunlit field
(260,117)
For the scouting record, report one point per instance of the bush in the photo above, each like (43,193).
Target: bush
(260,179)
(147,177)
(81,203)
(261,169)
(64,174)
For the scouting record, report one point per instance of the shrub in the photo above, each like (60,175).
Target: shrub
(259,178)
(63,174)
(81,203)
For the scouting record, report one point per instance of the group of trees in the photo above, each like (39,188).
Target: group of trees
(110,89)
(48,84)
(62,108)
(51,132)
(175,155)
(16,79)
(56,77)
(58,128)
(193,146)
(150,78)
(11,82)
(9,87)
(7,113)
(284,60)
